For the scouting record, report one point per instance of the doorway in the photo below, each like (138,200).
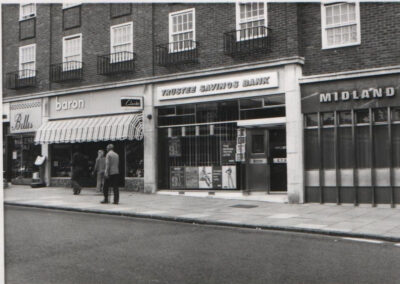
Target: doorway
(266,168)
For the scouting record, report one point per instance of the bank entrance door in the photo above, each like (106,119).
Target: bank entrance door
(266,159)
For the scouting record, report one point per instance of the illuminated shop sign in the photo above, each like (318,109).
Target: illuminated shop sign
(365,94)
(204,87)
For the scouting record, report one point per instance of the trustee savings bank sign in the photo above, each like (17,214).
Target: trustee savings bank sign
(228,84)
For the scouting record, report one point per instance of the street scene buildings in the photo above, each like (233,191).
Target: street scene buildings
(293,99)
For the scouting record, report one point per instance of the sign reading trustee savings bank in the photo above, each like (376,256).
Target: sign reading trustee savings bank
(229,84)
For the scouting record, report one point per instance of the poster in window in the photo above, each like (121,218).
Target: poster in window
(228,152)
(192,177)
(217,177)
(174,146)
(205,177)
(177,177)
(229,177)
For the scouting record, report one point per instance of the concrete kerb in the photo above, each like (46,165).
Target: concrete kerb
(189,220)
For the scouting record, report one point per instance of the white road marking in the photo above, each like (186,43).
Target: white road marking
(364,240)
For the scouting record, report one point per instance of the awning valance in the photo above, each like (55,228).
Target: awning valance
(92,129)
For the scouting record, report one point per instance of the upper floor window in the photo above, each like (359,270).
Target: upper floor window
(182,30)
(72,52)
(251,20)
(122,42)
(27,11)
(340,24)
(27,61)
(70,4)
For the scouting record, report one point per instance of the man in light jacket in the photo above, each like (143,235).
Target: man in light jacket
(99,169)
(111,174)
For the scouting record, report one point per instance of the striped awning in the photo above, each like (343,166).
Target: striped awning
(92,129)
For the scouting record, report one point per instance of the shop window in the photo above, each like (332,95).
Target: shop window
(328,148)
(328,118)
(263,113)
(395,114)
(251,103)
(312,155)
(345,142)
(340,24)
(251,20)
(345,118)
(134,159)
(274,100)
(182,30)
(185,109)
(362,116)
(396,145)
(24,154)
(61,160)
(381,146)
(166,111)
(363,147)
(380,115)
(311,120)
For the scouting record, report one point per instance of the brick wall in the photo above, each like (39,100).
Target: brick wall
(380,45)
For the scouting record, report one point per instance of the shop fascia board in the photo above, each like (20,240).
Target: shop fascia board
(350,74)
(165,78)
(263,122)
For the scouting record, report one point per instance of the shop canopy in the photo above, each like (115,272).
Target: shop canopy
(92,129)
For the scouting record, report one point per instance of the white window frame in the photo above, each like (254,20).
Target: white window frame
(171,34)
(238,21)
(70,5)
(324,27)
(114,59)
(25,74)
(25,17)
(72,66)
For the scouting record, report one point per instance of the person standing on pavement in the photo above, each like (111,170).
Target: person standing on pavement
(111,174)
(77,169)
(99,169)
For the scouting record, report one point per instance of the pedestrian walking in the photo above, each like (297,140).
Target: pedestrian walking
(77,169)
(99,169)
(111,174)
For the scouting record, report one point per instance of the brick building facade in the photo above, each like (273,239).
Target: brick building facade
(202,75)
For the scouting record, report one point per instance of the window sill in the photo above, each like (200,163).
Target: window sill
(27,18)
(340,46)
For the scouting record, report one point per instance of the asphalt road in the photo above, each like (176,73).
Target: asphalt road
(45,246)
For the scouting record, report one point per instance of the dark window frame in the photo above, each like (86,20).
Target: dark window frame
(68,9)
(34,28)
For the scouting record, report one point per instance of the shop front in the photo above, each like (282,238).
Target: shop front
(352,140)
(19,149)
(227,132)
(88,122)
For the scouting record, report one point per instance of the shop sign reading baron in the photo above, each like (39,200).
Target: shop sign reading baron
(238,83)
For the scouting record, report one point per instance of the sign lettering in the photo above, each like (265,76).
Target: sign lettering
(365,94)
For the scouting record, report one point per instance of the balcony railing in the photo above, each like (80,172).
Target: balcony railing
(114,63)
(180,52)
(21,79)
(246,41)
(71,70)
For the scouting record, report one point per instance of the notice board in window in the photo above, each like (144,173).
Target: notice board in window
(174,147)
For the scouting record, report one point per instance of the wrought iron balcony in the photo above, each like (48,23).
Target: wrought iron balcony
(180,52)
(246,41)
(71,70)
(21,79)
(114,63)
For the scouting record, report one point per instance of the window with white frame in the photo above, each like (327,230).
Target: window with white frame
(251,20)
(122,42)
(69,5)
(72,52)
(182,30)
(27,10)
(27,61)
(340,24)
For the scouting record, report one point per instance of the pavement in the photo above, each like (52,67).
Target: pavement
(363,221)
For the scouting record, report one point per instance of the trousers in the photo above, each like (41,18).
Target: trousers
(111,181)
(100,181)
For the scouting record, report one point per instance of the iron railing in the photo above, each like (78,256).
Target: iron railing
(246,41)
(114,63)
(21,79)
(71,70)
(180,52)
